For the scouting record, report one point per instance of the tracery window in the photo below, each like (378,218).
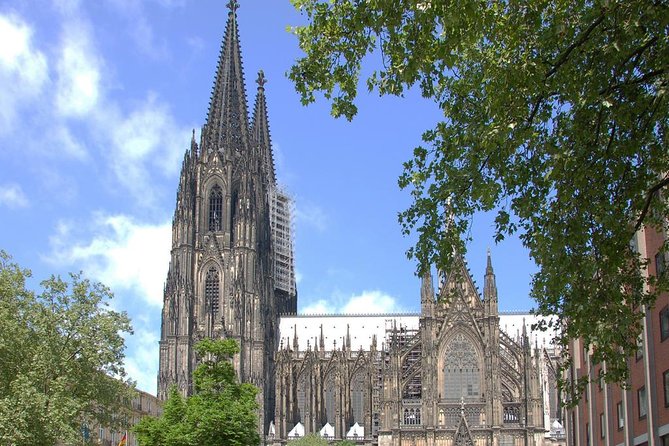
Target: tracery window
(302,398)
(211,292)
(412,416)
(461,371)
(358,397)
(329,396)
(216,208)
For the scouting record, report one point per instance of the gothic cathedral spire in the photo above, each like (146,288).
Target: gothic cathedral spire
(260,130)
(221,282)
(226,128)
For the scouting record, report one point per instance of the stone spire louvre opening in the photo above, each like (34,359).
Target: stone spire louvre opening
(226,128)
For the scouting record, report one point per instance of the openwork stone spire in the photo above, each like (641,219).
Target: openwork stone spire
(227,121)
(260,129)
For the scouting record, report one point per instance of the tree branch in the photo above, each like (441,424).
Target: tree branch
(581,40)
(649,198)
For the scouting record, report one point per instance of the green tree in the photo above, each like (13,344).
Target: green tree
(317,440)
(61,354)
(221,410)
(555,117)
(310,440)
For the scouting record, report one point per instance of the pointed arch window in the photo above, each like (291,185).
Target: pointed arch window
(216,208)
(302,403)
(329,394)
(358,397)
(461,370)
(211,292)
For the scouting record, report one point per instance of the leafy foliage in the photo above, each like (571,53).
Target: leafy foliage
(309,440)
(555,117)
(222,411)
(61,358)
(316,440)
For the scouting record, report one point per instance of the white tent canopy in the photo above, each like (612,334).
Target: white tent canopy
(297,431)
(356,431)
(327,431)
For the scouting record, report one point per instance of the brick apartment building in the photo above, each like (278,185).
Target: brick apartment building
(608,415)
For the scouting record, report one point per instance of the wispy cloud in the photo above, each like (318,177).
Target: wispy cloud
(143,142)
(311,215)
(137,143)
(78,69)
(12,196)
(372,301)
(141,362)
(139,28)
(122,253)
(23,69)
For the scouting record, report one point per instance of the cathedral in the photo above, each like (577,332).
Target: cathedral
(457,373)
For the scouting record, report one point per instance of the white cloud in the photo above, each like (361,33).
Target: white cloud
(139,28)
(23,69)
(78,68)
(141,362)
(123,254)
(136,142)
(320,306)
(367,302)
(12,196)
(371,302)
(311,215)
(144,140)
(62,137)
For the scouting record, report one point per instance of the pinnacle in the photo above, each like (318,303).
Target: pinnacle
(232,6)
(489,269)
(261,81)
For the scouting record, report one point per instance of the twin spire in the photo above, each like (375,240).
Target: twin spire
(227,127)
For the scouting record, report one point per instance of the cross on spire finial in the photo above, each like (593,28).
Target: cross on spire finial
(233,5)
(261,81)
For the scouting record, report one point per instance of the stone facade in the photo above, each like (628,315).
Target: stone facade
(448,376)
(220,279)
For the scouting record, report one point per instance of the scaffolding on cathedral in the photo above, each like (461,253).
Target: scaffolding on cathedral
(281,221)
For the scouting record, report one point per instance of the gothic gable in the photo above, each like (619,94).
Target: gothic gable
(463,436)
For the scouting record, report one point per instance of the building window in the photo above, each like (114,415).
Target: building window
(664,323)
(621,415)
(665,379)
(329,389)
(639,347)
(412,416)
(461,371)
(302,403)
(634,245)
(211,294)
(216,208)
(600,381)
(642,401)
(659,264)
(602,426)
(358,397)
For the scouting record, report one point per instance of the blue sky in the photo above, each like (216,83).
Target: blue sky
(97,105)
